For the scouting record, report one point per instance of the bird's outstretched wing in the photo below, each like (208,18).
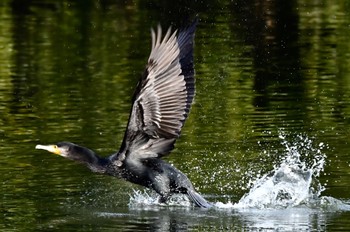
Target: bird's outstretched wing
(162,98)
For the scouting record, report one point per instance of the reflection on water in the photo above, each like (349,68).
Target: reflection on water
(68,69)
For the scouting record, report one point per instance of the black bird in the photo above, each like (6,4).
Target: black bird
(161,103)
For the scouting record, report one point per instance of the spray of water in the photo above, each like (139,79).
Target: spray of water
(294,181)
(147,198)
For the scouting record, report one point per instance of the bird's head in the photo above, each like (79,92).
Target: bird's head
(70,151)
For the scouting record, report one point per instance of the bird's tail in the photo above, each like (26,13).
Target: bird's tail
(198,199)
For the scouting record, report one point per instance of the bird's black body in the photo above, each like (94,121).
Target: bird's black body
(161,104)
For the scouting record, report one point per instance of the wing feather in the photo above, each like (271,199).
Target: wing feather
(163,96)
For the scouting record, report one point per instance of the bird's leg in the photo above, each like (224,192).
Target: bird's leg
(162,187)
(164,197)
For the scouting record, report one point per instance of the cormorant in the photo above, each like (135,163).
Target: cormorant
(161,103)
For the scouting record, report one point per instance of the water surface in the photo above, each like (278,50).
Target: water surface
(270,75)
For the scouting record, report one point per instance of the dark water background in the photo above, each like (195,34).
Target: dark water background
(68,70)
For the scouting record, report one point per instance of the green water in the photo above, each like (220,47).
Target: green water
(68,70)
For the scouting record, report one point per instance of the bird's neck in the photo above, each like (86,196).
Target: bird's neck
(98,165)
(94,162)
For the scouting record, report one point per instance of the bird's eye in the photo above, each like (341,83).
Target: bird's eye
(55,146)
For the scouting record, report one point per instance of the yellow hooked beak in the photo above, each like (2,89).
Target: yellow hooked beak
(50,148)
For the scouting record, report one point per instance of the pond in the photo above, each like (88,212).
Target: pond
(267,138)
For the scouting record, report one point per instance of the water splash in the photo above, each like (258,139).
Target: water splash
(147,198)
(293,182)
